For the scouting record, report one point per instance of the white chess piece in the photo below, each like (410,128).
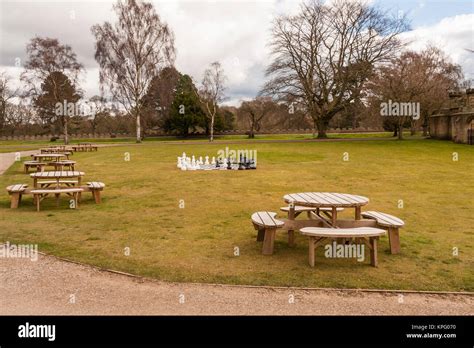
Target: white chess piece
(213,162)
(200,160)
(193,159)
(207,161)
(179,164)
(184,155)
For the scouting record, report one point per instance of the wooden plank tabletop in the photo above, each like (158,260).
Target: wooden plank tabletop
(49,155)
(57,174)
(325,199)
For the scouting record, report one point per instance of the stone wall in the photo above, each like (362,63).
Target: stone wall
(454,121)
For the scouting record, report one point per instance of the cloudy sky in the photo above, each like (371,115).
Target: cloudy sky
(231,31)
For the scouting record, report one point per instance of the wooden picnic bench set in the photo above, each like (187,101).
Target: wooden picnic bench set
(322,223)
(84,147)
(56,182)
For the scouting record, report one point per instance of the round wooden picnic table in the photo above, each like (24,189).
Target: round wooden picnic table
(50,156)
(59,165)
(328,200)
(57,176)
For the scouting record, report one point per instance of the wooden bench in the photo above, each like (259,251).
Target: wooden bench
(391,224)
(16,191)
(95,187)
(33,164)
(369,235)
(266,224)
(40,194)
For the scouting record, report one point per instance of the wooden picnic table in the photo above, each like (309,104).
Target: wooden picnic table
(55,177)
(49,156)
(319,200)
(328,200)
(85,147)
(56,150)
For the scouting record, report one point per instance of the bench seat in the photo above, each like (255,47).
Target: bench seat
(16,191)
(39,194)
(95,187)
(391,224)
(369,235)
(33,164)
(266,224)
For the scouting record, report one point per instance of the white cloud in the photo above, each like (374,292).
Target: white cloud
(454,35)
(235,33)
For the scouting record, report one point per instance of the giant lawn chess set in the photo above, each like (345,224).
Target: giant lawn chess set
(191,163)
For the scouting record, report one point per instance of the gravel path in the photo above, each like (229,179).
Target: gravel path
(45,287)
(7,159)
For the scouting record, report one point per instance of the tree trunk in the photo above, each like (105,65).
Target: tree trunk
(322,128)
(425,131)
(400,132)
(425,126)
(211,131)
(66,135)
(252,132)
(139,129)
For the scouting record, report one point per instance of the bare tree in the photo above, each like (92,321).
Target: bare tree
(131,52)
(323,55)
(47,56)
(18,115)
(98,110)
(422,78)
(256,110)
(211,93)
(6,95)
(47,59)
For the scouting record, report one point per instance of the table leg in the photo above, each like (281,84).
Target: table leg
(334,216)
(358,213)
(311,246)
(394,240)
(79,181)
(373,251)
(291,233)
(57,194)
(268,241)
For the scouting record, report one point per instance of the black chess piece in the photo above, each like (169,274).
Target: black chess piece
(217,163)
(245,163)
(252,165)
(229,164)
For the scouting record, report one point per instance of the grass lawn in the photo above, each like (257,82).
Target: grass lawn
(20,145)
(140,210)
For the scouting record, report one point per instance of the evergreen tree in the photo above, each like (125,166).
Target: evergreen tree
(186,112)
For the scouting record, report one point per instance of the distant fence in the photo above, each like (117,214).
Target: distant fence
(230,132)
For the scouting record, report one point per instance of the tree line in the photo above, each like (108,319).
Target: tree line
(332,65)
